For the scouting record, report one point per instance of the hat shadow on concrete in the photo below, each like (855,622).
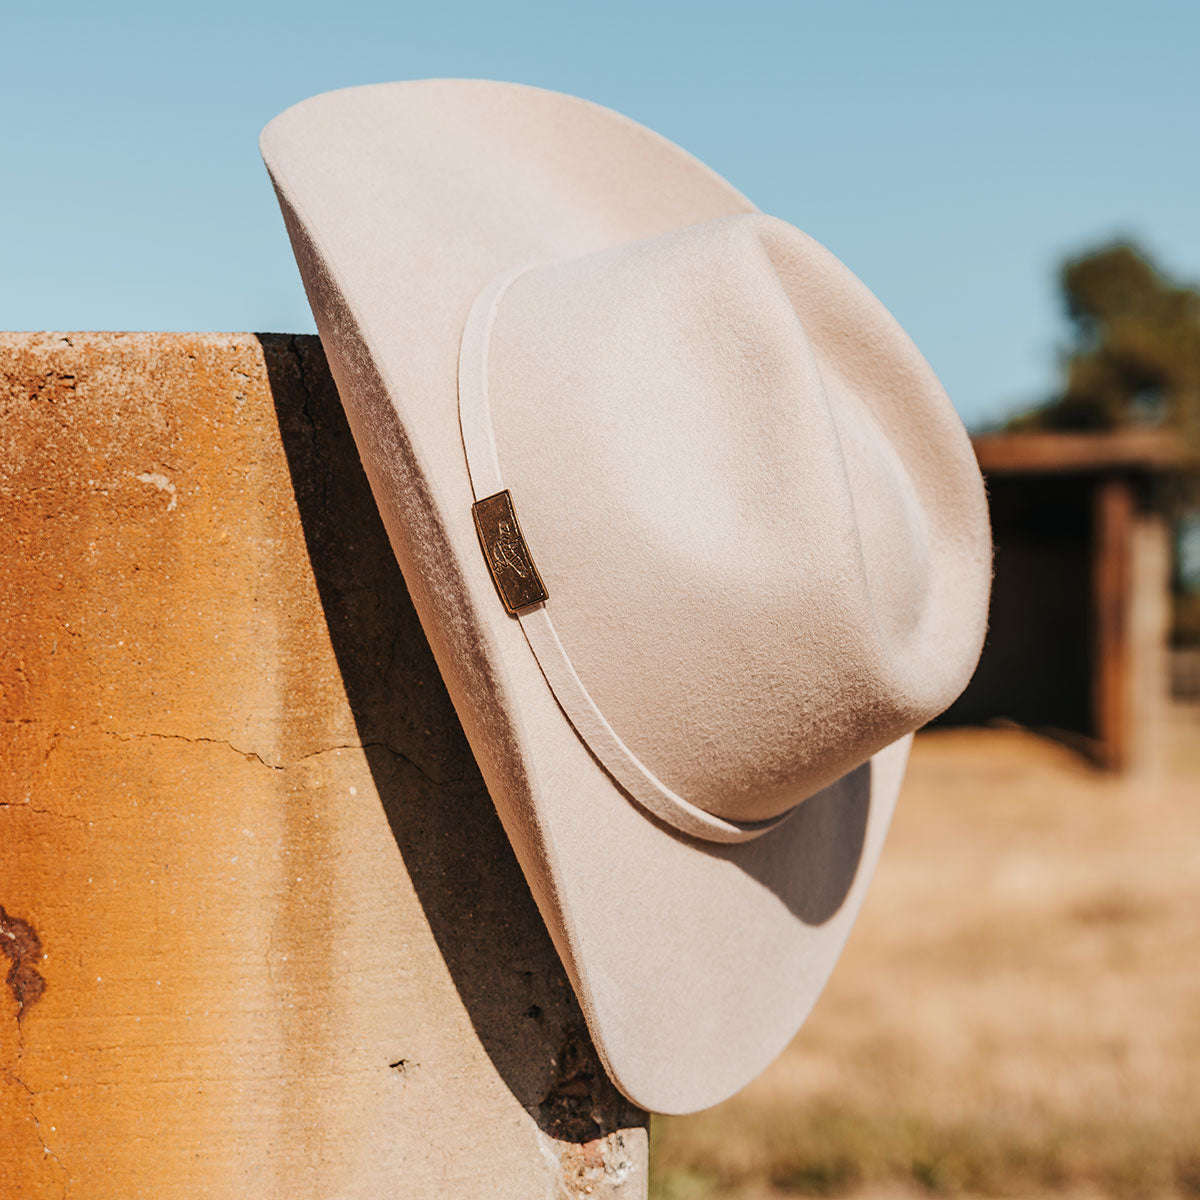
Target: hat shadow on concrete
(461,864)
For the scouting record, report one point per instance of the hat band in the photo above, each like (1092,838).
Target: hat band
(519,587)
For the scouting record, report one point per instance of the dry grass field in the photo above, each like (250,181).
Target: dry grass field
(1018,1010)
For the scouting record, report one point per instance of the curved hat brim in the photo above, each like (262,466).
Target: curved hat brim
(694,963)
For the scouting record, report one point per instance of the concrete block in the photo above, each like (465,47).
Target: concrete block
(262,932)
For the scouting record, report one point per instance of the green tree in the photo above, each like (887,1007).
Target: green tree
(1134,352)
(1133,359)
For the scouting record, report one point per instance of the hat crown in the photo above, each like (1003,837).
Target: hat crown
(759,520)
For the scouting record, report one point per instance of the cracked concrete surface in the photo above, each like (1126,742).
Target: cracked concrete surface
(243,845)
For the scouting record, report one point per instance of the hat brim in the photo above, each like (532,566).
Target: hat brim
(694,963)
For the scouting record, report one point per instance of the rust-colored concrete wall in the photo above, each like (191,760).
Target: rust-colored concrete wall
(262,933)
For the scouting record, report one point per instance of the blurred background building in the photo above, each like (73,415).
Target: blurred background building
(1095,621)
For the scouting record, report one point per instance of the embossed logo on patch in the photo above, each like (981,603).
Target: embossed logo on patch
(508,558)
(509,550)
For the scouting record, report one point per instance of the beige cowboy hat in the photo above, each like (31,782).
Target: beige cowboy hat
(695,535)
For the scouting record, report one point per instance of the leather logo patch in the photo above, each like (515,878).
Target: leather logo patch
(507,555)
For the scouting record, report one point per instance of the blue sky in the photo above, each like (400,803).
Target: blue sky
(950,153)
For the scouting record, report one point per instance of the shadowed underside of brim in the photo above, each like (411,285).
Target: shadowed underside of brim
(694,963)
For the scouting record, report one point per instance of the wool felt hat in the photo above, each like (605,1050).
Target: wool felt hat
(694,533)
